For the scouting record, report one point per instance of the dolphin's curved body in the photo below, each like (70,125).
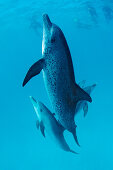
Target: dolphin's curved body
(47,122)
(58,73)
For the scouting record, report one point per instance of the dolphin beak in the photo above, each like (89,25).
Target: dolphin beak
(33,101)
(46,22)
(36,104)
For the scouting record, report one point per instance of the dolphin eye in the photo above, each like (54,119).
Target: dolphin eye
(52,40)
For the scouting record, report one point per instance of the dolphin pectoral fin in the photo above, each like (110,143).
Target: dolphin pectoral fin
(33,71)
(42,128)
(80,94)
(89,89)
(85,108)
(37,124)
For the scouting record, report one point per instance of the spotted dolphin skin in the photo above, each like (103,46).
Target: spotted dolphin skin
(58,74)
(47,122)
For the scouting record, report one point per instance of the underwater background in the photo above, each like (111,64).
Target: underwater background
(88,28)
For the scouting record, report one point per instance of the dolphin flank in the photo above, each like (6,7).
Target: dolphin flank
(46,121)
(56,63)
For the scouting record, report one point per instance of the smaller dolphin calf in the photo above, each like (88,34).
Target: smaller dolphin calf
(46,121)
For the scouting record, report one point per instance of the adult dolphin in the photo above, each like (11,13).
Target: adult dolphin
(47,122)
(58,73)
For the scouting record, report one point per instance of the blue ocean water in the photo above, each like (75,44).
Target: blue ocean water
(88,27)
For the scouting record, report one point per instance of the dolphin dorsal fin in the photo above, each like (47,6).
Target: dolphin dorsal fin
(89,89)
(80,94)
(42,128)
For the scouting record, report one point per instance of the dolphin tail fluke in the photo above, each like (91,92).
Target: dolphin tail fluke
(75,137)
(80,94)
(73,151)
(64,144)
(33,71)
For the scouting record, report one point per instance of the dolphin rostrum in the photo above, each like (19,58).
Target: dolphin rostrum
(47,122)
(58,74)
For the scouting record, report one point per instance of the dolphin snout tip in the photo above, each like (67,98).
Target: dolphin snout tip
(46,20)
(32,99)
(45,15)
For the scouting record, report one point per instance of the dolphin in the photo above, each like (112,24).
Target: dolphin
(83,104)
(47,122)
(108,13)
(58,75)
